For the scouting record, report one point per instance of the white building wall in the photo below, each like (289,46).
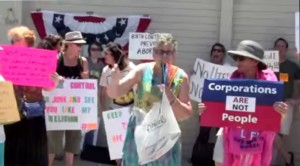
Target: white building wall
(196,24)
(5,14)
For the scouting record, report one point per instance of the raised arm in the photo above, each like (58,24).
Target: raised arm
(118,86)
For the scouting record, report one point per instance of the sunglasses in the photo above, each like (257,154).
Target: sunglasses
(95,49)
(163,52)
(78,45)
(239,58)
(217,50)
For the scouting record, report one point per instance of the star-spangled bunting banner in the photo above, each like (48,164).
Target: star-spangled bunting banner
(92,27)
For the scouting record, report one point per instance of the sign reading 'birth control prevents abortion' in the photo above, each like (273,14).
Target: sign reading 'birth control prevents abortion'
(242,103)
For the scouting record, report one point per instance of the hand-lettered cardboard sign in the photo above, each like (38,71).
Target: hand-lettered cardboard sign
(115,123)
(8,106)
(72,105)
(28,66)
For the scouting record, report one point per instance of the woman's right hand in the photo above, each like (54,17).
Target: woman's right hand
(201,108)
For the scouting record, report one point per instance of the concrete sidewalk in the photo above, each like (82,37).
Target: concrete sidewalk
(79,162)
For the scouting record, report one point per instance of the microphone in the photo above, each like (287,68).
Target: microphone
(164,73)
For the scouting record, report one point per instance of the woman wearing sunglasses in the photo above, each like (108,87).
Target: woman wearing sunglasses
(95,59)
(148,77)
(249,60)
(71,65)
(205,142)
(217,54)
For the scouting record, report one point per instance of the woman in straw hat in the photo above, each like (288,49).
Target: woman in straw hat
(71,65)
(249,59)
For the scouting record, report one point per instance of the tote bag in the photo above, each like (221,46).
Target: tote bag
(156,132)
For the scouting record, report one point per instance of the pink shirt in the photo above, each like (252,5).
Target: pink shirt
(249,148)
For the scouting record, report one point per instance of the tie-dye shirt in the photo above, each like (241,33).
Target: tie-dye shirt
(147,94)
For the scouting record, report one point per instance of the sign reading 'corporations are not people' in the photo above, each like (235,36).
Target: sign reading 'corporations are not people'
(242,103)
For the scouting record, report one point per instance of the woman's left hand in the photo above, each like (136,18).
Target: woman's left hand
(281,107)
(170,95)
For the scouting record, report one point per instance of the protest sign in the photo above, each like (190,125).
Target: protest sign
(297,31)
(8,106)
(115,123)
(271,58)
(28,66)
(141,45)
(202,70)
(242,103)
(72,105)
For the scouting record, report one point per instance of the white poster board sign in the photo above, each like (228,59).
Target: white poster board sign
(297,31)
(141,45)
(115,123)
(202,70)
(271,58)
(72,105)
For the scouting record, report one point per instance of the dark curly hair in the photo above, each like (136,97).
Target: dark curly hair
(219,45)
(281,39)
(117,54)
(50,42)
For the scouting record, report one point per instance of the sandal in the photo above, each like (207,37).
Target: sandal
(292,162)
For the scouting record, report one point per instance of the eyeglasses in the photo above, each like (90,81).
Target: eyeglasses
(239,58)
(162,52)
(217,50)
(95,49)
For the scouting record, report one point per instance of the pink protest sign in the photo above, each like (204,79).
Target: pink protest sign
(28,66)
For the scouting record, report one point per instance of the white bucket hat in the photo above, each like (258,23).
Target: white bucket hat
(74,37)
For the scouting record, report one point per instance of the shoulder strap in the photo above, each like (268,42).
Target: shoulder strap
(60,60)
(172,73)
(80,63)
